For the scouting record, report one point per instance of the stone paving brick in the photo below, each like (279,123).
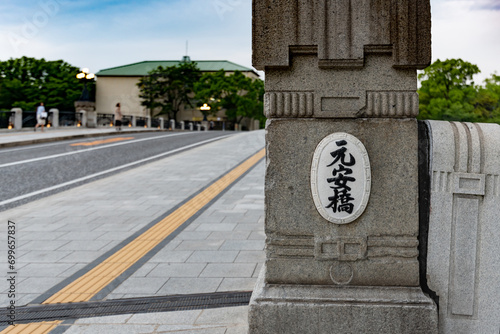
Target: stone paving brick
(228,270)
(213,256)
(243,245)
(190,285)
(172,256)
(194,245)
(251,256)
(36,285)
(141,285)
(216,227)
(42,270)
(237,284)
(177,270)
(232,235)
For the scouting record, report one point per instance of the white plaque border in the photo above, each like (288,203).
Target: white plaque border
(314,172)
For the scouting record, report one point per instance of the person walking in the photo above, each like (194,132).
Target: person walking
(118,117)
(41,116)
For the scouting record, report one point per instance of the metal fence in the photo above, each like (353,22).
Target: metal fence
(140,121)
(68,118)
(104,119)
(29,119)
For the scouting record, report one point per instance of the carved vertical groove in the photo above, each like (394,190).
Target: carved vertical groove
(289,104)
(279,104)
(391,104)
(287,111)
(302,105)
(310,104)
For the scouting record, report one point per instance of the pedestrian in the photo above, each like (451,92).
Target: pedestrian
(118,117)
(41,116)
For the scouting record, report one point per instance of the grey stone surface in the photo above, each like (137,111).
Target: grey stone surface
(462,261)
(294,308)
(384,239)
(349,67)
(341,32)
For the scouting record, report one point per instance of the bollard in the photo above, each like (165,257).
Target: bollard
(54,117)
(18,118)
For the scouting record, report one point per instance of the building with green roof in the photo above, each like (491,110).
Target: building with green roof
(119,84)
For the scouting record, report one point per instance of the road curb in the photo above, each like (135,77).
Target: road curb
(76,136)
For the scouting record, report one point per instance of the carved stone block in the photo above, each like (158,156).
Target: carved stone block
(462,263)
(380,246)
(341,32)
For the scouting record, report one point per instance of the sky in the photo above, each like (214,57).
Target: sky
(100,34)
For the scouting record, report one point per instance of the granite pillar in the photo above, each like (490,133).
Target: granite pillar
(89,114)
(464,243)
(342,234)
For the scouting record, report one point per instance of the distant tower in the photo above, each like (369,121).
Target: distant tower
(186,58)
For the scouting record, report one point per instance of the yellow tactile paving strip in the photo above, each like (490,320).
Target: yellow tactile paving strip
(88,285)
(100,142)
(33,328)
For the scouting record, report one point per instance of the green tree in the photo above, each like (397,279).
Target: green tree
(167,89)
(487,102)
(239,95)
(25,82)
(447,91)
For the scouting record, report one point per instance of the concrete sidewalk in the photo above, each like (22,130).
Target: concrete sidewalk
(11,138)
(220,250)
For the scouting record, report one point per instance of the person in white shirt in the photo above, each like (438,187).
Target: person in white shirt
(41,116)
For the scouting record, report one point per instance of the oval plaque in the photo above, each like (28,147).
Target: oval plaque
(340,178)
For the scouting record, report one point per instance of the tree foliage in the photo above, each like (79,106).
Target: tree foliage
(448,92)
(25,82)
(166,89)
(239,95)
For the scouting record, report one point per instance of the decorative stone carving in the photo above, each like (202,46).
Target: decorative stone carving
(463,246)
(340,178)
(341,32)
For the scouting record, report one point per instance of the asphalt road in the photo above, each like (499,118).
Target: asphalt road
(30,172)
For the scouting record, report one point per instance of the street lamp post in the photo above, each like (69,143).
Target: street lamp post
(205,108)
(84,106)
(85,76)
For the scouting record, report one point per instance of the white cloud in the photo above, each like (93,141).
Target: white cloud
(467,30)
(105,33)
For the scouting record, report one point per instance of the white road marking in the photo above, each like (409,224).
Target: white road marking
(41,191)
(87,150)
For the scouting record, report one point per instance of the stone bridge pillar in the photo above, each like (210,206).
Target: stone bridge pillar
(342,217)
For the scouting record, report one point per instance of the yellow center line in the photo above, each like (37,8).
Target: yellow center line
(88,285)
(33,328)
(104,141)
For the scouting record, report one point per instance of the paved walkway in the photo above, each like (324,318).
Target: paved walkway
(10,138)
(61,237)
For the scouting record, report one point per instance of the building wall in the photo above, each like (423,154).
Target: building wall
(111,90)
